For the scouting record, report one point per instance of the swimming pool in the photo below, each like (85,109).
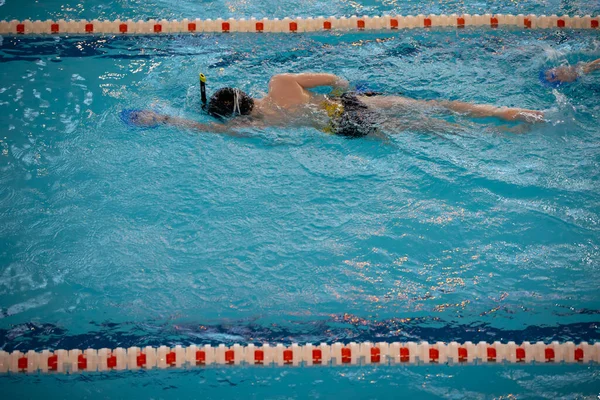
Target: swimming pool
(113,236)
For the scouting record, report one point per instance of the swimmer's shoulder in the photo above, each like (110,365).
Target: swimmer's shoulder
(281,80)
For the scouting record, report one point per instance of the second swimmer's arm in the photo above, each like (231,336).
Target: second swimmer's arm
(571,73)
(591,66)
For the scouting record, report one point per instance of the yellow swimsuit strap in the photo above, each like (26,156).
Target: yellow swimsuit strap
(334,111)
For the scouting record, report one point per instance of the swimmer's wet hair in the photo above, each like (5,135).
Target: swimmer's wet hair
(227,102)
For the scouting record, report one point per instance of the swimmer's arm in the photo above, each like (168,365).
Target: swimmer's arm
(227,128)
(571,73)
(312,80)
(591,66)
(187,123)
(149,118)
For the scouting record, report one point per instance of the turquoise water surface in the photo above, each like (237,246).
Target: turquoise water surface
(113,236)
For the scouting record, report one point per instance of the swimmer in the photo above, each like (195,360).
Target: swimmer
(570,73)
(289,102)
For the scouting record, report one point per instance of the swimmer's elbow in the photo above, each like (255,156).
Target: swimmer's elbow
(310,80)
(282,78)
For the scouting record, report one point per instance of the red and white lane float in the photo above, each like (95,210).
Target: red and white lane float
(337,354)
(295,25)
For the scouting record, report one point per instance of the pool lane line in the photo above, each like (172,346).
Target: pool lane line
(337,354)
(296,25)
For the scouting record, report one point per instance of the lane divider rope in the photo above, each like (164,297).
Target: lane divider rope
(406,353)
(310,24)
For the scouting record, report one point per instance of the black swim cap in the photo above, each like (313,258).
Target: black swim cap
(228,101)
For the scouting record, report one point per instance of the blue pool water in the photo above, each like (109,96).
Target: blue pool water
(112,236)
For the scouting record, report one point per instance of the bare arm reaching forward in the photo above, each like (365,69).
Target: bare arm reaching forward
(148,118)
(571,73)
